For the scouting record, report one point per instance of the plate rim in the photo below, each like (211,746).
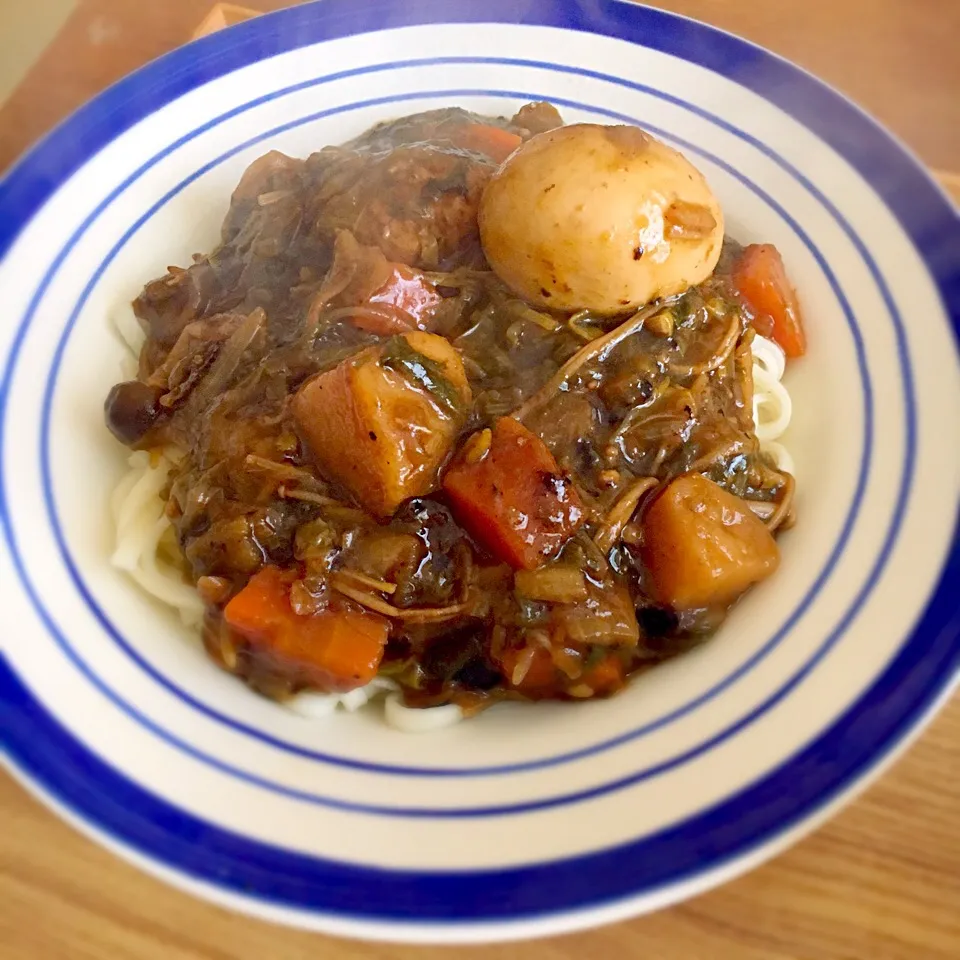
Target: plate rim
(859,139)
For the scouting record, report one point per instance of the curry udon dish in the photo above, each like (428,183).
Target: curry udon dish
(463,410)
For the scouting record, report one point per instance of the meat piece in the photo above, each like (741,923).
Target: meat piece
(537,117)
(266,179)
(418,204)
(168,304)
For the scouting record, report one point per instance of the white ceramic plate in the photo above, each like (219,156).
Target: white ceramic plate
(531,819)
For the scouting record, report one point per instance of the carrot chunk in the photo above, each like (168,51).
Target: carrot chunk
(494,142)
(762,280)
(530,671)
(606,676)
(332,651)
(511,496)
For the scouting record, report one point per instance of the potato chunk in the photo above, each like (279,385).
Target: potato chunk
(702,546)
(382,422)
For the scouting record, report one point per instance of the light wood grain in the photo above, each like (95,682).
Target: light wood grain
(223,15)
(881,881)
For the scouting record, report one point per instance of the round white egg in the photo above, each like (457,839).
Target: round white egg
(603,218)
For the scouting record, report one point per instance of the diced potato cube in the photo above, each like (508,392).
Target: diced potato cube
(382,422)
(702,546)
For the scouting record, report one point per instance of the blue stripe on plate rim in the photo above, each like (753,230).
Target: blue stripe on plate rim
(452,96)
(881,719)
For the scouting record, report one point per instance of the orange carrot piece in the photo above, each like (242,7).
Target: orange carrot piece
(512,498)
(331,651)
(541,676)
(762,280)
(494,142)
(605,677)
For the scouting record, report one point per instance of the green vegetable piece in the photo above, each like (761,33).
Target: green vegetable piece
(423,372)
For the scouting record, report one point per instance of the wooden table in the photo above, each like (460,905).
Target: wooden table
(881,881)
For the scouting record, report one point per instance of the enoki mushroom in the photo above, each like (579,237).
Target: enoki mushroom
(380,313)
(307,496)
(621,512)
(784,504)
(372,583)
(413,615)
(594,350)
(719,357)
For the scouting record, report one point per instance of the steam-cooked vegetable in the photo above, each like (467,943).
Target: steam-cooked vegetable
(494,142)
(383,421)
(762,281)
(558,583)
(604,618)
(702,546)
(512,497)
(599,218)
(331,651)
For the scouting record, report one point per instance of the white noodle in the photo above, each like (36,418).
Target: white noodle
(772,407)
(781,456)
(141,521)
(146,487)
(770,356)
(128,330)
(419,720)
(314,706)
(317,706)
(122,491)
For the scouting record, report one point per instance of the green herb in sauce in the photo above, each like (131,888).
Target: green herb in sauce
(423,372)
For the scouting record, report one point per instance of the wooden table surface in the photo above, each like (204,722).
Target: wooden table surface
(880,881)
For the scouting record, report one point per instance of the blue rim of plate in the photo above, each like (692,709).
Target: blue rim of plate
(112,805)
